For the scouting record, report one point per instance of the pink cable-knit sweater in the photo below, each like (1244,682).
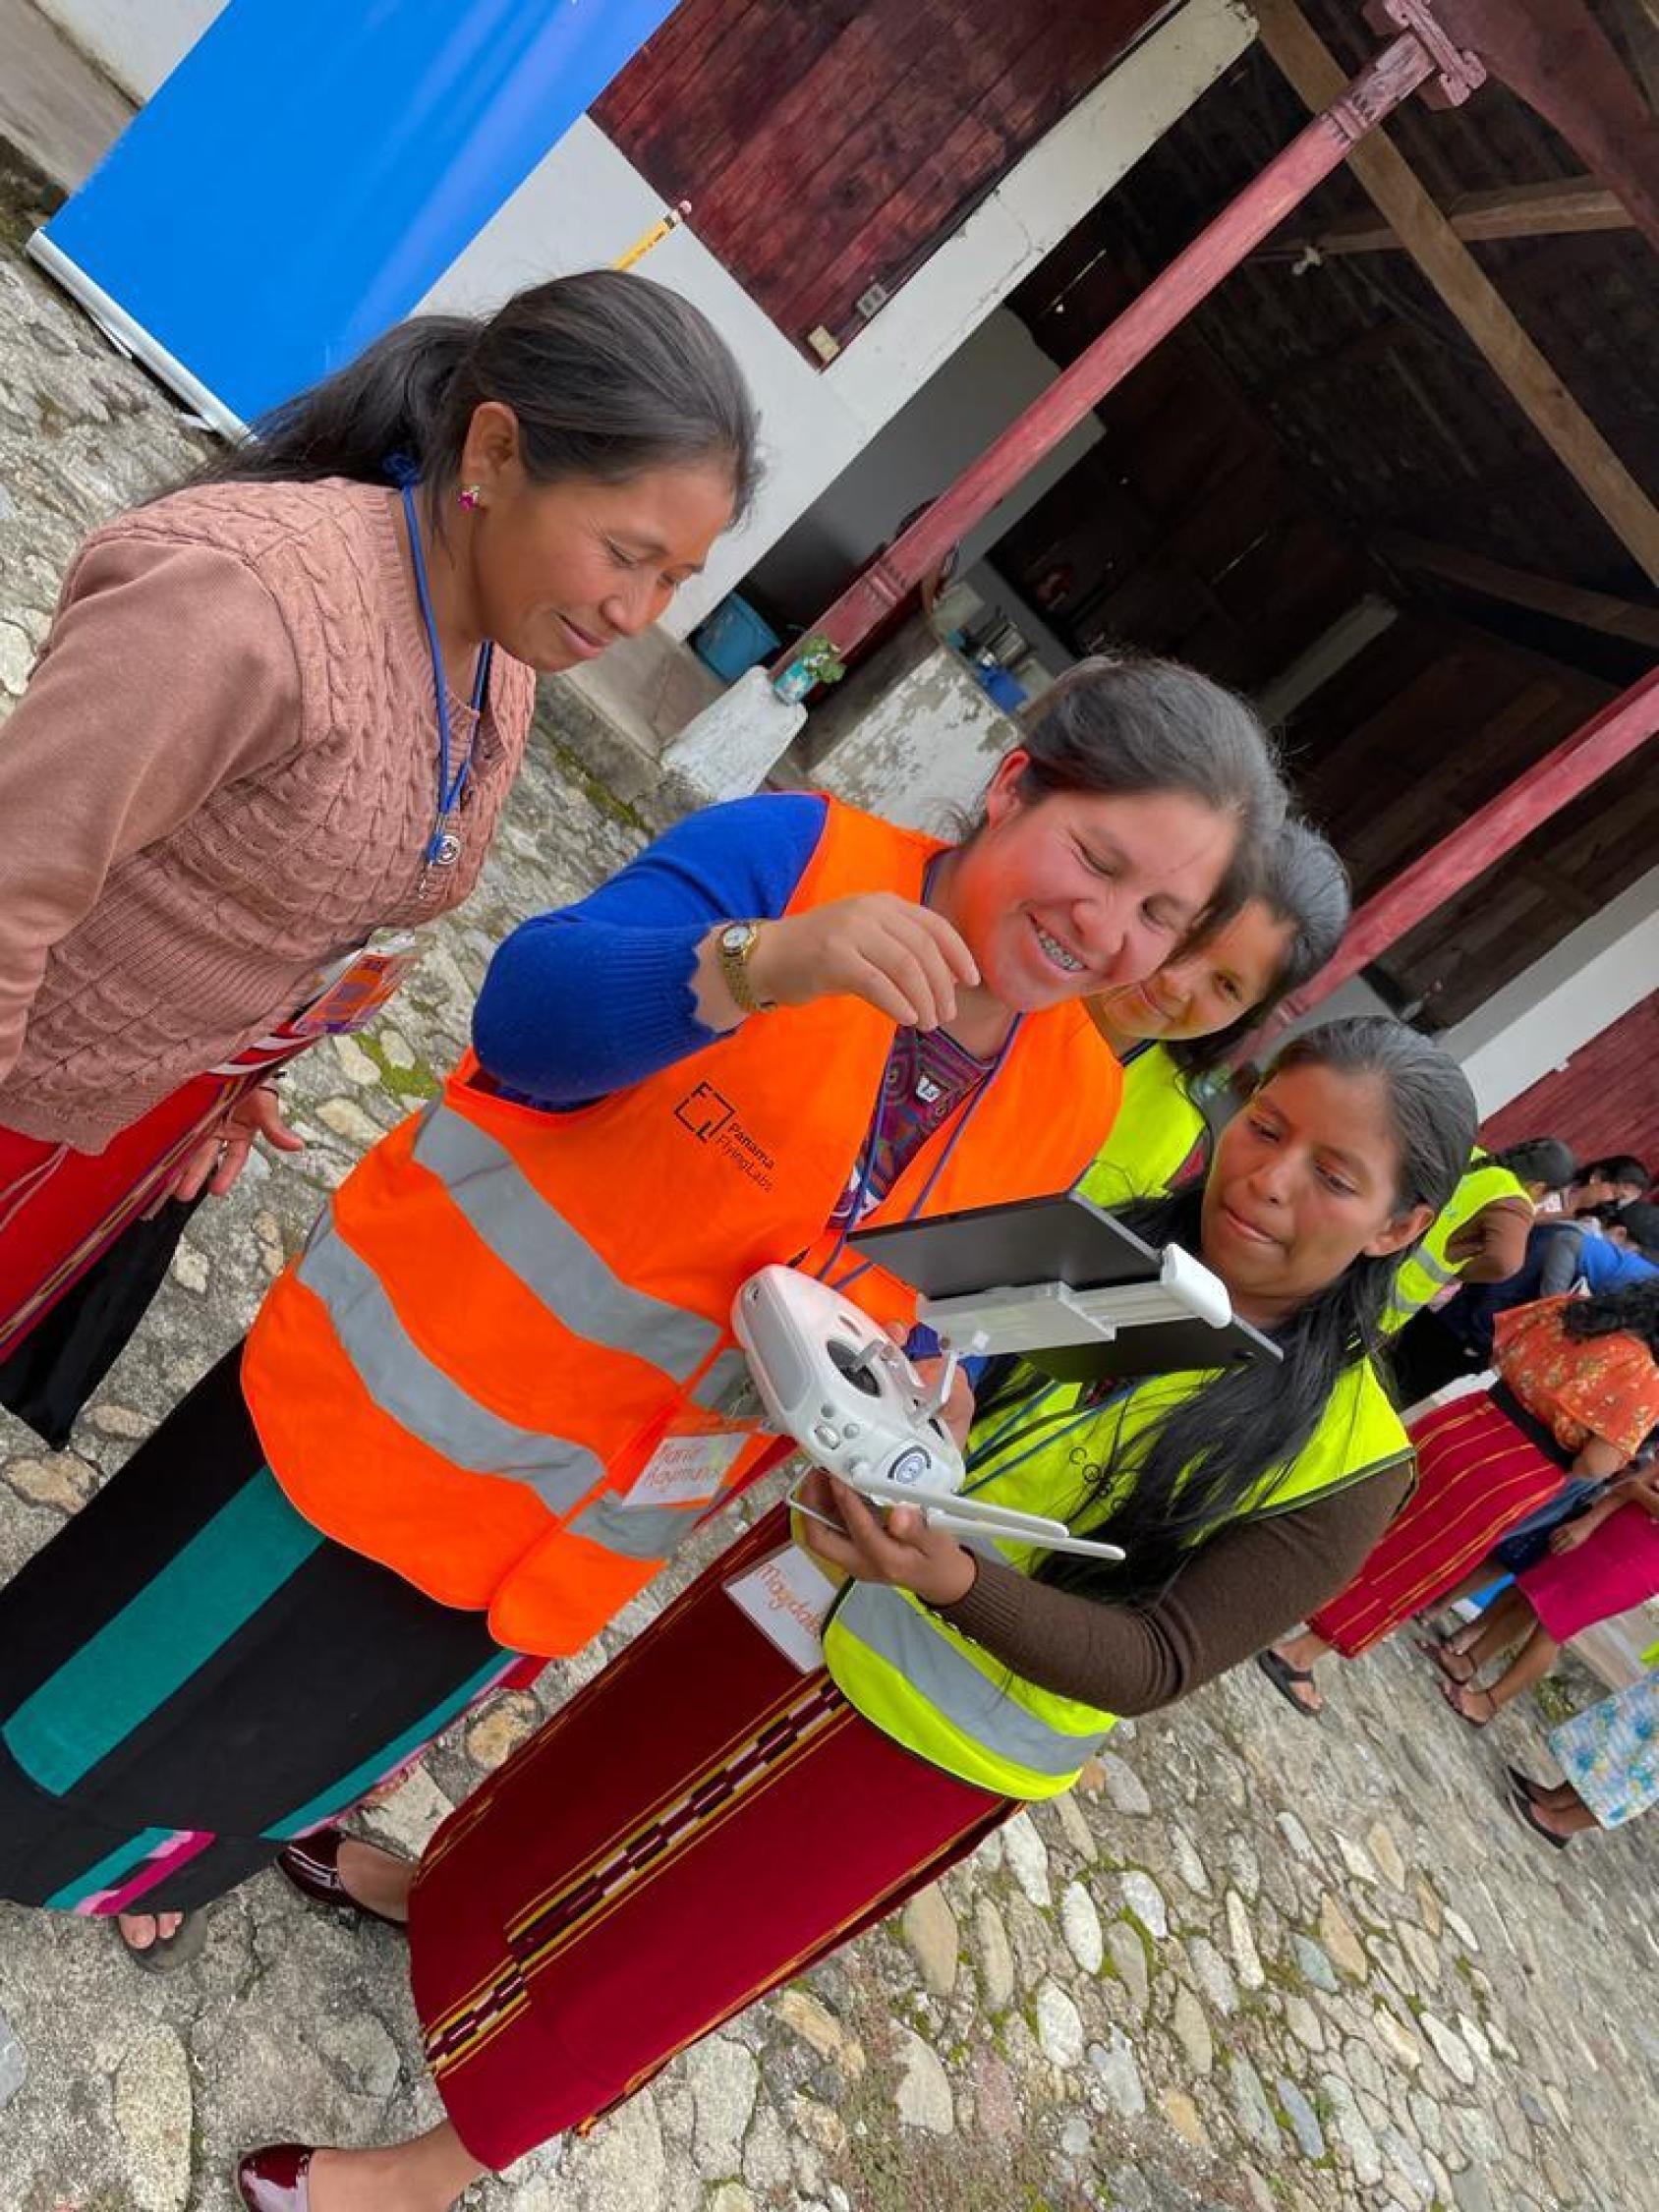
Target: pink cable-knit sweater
(224,772)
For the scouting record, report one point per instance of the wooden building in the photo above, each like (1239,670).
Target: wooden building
(1414,515)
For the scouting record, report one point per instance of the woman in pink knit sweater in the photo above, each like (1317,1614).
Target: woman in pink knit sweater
(279,711)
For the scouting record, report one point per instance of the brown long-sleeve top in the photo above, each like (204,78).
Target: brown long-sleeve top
(1250,1583)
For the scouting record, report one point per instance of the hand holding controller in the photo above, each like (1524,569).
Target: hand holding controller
(850,1398)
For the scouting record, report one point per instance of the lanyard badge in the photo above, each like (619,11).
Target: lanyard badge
(443,847)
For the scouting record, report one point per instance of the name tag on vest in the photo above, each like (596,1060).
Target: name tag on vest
(686,1469)
(788,1598)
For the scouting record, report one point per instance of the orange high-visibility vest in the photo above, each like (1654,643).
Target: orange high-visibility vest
(503,1311)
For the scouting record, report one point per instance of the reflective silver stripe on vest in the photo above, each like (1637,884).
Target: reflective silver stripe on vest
(727,1387)
(642,1532)
(1439,1270)
(978,1704)
(575,1283)
(406,1386)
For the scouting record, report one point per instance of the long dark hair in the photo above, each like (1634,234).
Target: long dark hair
(1638,1218)
(1632,1311)
(1212,1450)
(1123,726)
(1300,879)
(1618,1167)
(607,374)
(1537,1159)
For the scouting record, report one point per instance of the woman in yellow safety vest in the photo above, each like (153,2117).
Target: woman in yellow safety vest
(1180,1025)
(806,1737)
(1480,1238)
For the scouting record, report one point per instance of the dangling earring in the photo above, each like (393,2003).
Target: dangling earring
(471,496)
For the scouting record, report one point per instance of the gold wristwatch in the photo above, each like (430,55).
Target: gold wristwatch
(736,944)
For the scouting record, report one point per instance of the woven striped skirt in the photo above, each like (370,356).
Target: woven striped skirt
(1477,1476)
(699,1824)
(191,1675)
(59,1211)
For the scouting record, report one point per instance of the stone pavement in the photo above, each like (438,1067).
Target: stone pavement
(1254,1962)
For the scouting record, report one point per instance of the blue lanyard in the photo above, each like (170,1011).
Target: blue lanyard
(449,788)
(867,1158)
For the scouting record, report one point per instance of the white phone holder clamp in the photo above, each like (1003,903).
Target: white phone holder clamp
(1043,1316)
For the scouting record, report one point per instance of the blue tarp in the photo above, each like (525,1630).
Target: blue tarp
(312,167)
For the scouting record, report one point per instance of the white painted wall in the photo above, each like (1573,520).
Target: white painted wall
(992,378)
(585,203)
(1535,1024)
(924,751)
(138,42)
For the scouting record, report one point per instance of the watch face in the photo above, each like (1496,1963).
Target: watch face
(735,935)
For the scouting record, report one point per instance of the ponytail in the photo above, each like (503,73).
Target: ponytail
(607,375)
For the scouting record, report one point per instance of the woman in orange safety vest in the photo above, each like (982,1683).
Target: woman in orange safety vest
(491,1398)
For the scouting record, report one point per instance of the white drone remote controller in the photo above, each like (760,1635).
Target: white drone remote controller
(831,1379)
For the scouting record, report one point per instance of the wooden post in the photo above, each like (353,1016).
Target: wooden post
(1427,236)
(1613,616)
(1620,728)
(1558,207)
(1350,112)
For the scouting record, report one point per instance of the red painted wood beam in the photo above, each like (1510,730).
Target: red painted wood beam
(1620,728)
(1419,54)
(1556,57)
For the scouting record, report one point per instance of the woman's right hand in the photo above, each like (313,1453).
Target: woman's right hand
(1571,1536)
(213,1165)
(901,958)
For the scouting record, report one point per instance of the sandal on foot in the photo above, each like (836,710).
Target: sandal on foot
(167,1953)
(1284,1678)
(1523,1784)
(1452,1693)
(1445,1658)
(312,1864)
(1526,1813)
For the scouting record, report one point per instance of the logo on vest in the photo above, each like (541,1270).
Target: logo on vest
(712,1119)
(705,1112)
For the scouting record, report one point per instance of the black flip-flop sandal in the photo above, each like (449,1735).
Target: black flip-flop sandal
(167,1953)
(1523,1784)
(1524,1811)
(1284,1677)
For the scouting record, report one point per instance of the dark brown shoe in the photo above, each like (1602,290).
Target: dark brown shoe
(273,2179)
(312,1865)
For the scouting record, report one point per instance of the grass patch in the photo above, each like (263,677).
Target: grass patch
(598,795)
(407,1085)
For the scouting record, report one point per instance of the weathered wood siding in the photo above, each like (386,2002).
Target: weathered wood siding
(829,145)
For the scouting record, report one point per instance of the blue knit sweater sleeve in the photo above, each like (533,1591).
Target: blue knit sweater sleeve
(597,995)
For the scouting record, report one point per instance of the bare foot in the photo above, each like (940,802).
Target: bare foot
(1451,1661)
(426,2174)
(375,1878)
(1466,1703)
(140,1930)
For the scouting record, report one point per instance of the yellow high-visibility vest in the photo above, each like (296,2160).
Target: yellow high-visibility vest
(933,1690)
(1425,1273)
(1157,1130)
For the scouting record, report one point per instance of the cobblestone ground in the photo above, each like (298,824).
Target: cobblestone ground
(1254,1963)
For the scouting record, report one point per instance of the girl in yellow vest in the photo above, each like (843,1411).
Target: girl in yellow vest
(1180,1024)
(723,1806)
(484,1406)
(1479,1238)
